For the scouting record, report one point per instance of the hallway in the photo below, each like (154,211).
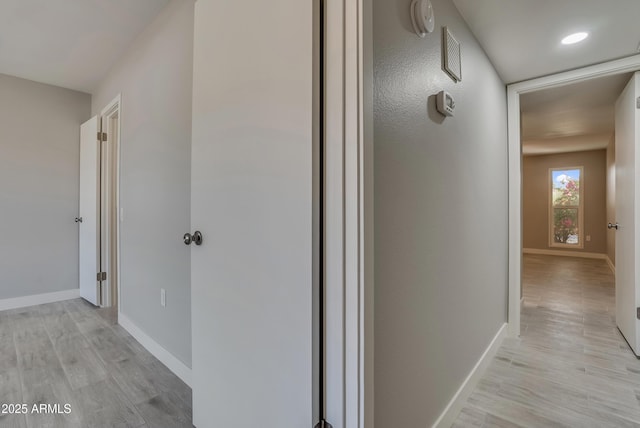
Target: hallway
(571,366)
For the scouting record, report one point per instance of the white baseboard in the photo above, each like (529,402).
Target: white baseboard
(39,299)
(459,400)
(611,265)
(564,253)
(166,357)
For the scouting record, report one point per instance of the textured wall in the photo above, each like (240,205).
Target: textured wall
(440,215)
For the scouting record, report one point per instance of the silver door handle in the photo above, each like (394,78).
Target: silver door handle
(196,238)
(612,226)
(78,219)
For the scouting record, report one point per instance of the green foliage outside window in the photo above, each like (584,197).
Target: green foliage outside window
(565,224)
(566,200)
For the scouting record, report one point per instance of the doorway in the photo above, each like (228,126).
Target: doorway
(515,91)
(110,203)
(99,208)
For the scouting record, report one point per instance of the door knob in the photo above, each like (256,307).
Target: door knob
(196,238)
(612,226)
(78,219)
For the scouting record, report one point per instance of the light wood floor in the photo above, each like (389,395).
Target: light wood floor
(571,366)
(72,353)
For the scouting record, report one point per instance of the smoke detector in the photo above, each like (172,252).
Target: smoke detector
(422,17)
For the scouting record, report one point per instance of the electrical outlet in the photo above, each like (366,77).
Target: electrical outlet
(588,238)
(163,297)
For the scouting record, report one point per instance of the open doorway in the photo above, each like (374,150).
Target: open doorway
(568,196)
(110,205)
(612,73)
(99,217)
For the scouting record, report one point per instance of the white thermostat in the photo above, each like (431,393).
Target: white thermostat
(422,17)
(445,103)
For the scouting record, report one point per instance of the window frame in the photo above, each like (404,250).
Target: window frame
(579,207)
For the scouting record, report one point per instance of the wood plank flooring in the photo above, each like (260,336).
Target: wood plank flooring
(571,366)
(72,353)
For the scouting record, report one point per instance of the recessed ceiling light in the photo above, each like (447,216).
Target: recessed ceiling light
(574,38)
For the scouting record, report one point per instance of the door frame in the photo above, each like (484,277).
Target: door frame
(624,65)
(113,110)
(348,211)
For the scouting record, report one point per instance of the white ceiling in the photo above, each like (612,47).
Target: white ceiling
(69,43)
(522,37)
(576,109)
(575,117)
(566,144)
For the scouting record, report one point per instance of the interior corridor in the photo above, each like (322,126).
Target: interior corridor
(571,366)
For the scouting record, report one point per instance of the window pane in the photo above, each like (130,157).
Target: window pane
(565,226)
(566,187)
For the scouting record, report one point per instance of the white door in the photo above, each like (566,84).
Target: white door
(251,290)
(89,210)
(627,237)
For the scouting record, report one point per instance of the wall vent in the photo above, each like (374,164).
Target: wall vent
(452,56)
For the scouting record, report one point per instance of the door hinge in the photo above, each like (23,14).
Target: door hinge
(638,102)
(102,136)
(638,313)
(102,276)
(323,424)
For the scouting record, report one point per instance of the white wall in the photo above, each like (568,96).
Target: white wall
(440,215)
(39,184)
(155,79)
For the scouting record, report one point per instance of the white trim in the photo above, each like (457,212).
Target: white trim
(166,357)
(353,218)
(335,213)
(624,65)
(348,240)
(515,209)
(619,66)
(611,265)
(565,253)
(112,106)
(39,299)
(459,400)
(366,219)
(115,106)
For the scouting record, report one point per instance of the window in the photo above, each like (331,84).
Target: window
(565,216)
